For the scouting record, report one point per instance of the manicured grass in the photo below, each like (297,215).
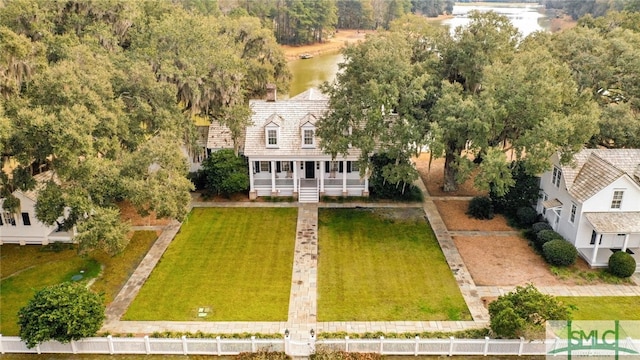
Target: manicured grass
(118,269)
(383,265)
(27,269)
(17,290)
(604,307)
(236,261)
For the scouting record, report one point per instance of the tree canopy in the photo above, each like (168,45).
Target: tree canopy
(479,97)
(604,57)
(63,312)
(102,94)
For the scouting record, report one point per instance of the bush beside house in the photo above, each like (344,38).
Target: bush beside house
(622,264)
(559,252)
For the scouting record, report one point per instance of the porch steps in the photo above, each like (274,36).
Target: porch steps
(308,195)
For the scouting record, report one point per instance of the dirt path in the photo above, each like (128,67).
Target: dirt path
(336,42)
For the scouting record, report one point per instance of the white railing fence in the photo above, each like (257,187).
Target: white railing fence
(449,347)
(220,346)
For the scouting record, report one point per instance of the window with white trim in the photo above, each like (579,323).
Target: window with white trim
(265,166)
(355,167)
(557,175)
(572,218)
(9,218)
(285,166)
(308,138)
(616,202)
(545,197)
(334,166)
(272,137)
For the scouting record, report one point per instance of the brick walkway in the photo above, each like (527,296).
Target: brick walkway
(303,296)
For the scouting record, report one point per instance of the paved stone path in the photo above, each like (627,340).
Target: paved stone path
(460,272)
(130,289)
(304,280)
(303,297)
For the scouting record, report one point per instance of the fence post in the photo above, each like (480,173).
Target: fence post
(381,345)
(219,347)
(486,345)
(346,344)
(110,342)
(1,346)
(147,345)
(286,344)
(185,351)
(253,344)
(73,347)
(417,348)
(38,349)
(450,345)
(521,346)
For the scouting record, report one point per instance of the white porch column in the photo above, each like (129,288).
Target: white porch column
(252,191)
(251,171)
(365,191)
(595,249)
(273,178)
(626,242)
(295,176)
(322,165)
(344,177)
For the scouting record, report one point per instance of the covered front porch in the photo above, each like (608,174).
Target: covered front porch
(612,232)
(313,177)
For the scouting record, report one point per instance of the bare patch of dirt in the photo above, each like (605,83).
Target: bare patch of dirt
(129,213)
(503,261)
(336,42)
(562,23)
(453,213)
(433,178)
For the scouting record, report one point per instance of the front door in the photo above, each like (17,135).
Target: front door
(309,169)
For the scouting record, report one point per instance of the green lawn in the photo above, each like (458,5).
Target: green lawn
(27,269)
(236,261)
(604,307)
(375,267)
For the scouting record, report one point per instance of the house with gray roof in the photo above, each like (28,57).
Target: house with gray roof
(285,158)
(594,202)
(22,227)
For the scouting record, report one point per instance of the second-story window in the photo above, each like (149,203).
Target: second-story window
(308,137)
(557,175)
(572,218)
(616,202)
(272,137)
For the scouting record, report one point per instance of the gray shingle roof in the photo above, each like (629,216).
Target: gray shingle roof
(220,137)
(594,169)
(616,223)
(290,115)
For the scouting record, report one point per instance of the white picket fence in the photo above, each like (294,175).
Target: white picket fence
(220,346)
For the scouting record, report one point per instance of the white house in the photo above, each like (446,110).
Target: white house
(23,227)
(594,202)
(284,155)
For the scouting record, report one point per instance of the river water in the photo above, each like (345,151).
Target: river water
(313,72)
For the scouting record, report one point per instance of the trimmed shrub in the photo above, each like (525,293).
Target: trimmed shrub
(530,235)
(545,236)
(526,216)
(622,264)
(539,226)
(481,208)
(559,252)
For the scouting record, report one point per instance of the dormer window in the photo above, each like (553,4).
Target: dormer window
(308,137)
(308,132)
(271,134)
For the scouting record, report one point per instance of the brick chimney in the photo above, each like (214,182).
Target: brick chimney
(271,92)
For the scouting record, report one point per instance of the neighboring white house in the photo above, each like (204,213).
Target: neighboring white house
(594,202)
(285,158)
(23,227)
